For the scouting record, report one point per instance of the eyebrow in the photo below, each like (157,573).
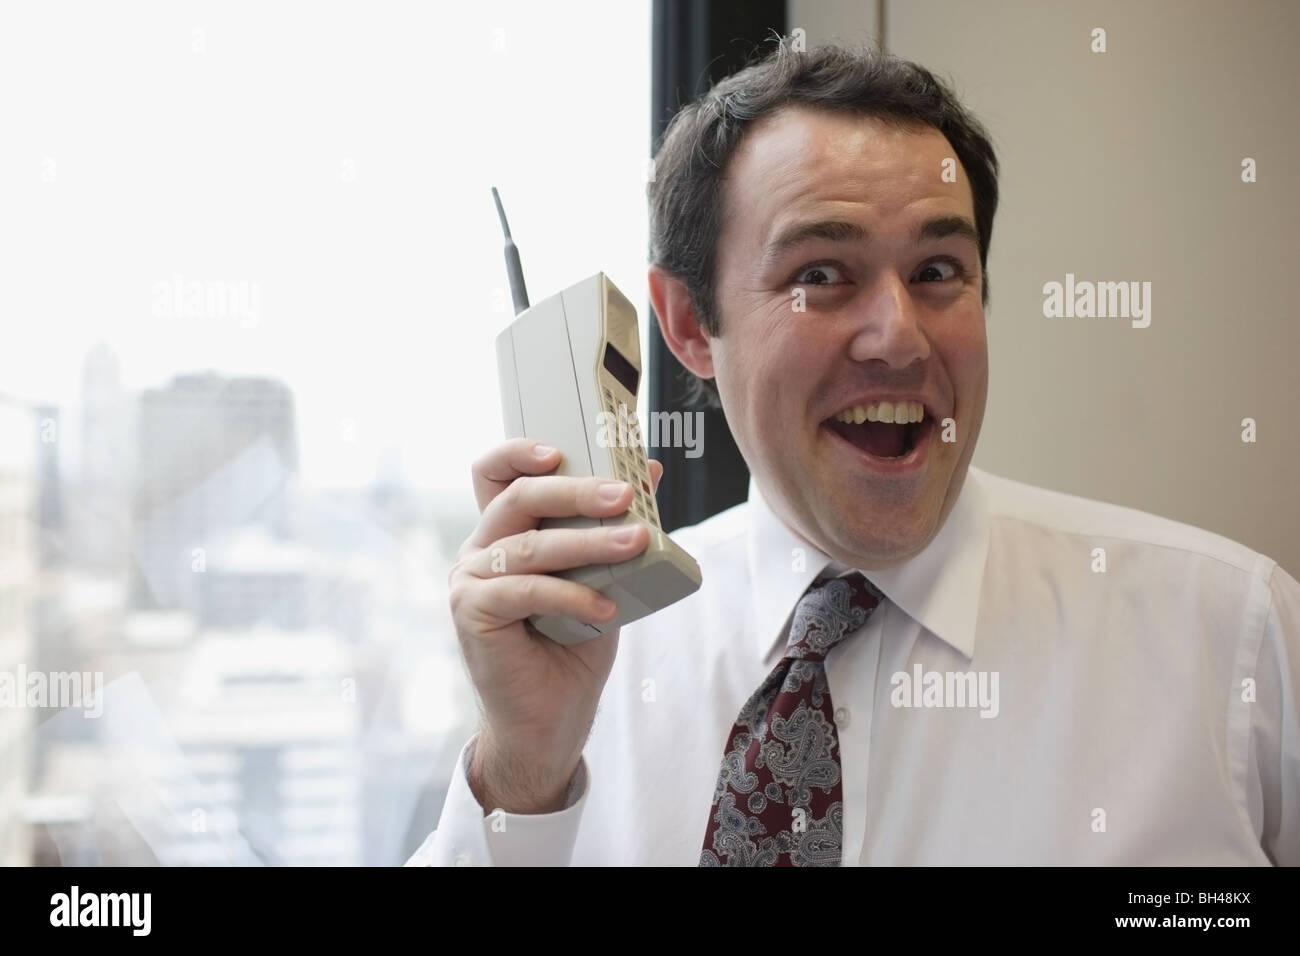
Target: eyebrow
(945,226)
(835,230)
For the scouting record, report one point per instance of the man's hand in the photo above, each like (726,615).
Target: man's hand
(539,697)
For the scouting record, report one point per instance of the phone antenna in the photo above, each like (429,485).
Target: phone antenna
(514,270)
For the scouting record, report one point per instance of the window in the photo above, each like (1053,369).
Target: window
(259,273)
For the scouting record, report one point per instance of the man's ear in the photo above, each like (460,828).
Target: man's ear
(680,323)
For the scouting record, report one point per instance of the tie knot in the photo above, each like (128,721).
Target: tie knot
(830,610)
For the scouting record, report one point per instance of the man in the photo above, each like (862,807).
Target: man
(894,658)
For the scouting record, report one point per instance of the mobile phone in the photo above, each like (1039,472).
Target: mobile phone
(569,369)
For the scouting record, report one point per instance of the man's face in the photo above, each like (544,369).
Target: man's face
(835,205)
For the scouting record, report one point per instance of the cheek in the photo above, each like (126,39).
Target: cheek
(757,354)
(784,367)
(965,353)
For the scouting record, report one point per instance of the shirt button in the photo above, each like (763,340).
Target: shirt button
(462,860)
(842,716)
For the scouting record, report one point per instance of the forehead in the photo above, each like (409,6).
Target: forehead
(799,159)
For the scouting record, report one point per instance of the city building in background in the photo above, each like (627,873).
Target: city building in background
(220,452)
(281,680)
(20,545)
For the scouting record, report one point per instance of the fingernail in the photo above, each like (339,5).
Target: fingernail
(610,491)
(605,607)
(623,534)
(543,451)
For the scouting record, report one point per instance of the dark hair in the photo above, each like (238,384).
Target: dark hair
(685,194)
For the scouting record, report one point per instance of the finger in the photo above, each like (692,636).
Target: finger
(529,499)
(656,472)
(501,601)
(557,549)
(494,472)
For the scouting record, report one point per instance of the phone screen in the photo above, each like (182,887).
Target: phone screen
(621,369)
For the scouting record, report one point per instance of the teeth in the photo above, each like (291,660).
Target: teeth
(899,413)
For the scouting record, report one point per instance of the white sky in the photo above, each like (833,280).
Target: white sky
(227,165)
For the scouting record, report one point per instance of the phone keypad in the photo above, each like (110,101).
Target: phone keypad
(631,466)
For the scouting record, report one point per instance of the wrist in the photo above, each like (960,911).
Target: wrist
(501,779)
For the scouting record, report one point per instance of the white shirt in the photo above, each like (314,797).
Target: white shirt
(1145,714)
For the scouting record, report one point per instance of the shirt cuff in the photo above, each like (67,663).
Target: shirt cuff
(466,837)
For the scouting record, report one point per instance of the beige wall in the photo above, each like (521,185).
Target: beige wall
(1126,165)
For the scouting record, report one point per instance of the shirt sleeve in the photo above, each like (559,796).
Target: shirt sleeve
(1277,724)
(466,836)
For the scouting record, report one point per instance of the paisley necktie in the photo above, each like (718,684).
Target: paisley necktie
(779,801)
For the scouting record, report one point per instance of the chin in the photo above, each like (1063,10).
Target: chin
(881,537)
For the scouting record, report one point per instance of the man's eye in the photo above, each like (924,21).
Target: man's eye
(819,275)
(936,269)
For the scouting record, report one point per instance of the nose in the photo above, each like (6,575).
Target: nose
(889,325)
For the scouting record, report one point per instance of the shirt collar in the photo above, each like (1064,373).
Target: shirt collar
(939,588)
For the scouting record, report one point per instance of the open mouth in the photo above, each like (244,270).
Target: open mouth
(877,430)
